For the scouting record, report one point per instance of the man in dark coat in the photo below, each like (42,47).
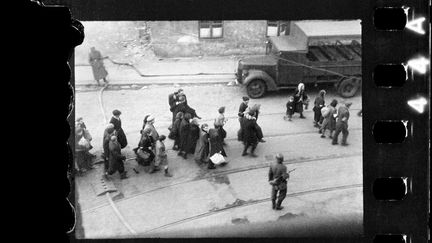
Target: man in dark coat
(115,159)
(319,103)
(115,120)
(184,135)
(342,124)
(109,131)
(250,133)
(278,180)
(98,68)
(172,101)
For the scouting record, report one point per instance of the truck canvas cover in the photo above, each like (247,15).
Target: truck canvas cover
(315,32)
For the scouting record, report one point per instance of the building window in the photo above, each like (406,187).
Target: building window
(210,29)
(278,28)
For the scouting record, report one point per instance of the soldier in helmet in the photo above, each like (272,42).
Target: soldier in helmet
(278,180)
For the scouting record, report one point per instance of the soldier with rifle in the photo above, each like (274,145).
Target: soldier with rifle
(278,176)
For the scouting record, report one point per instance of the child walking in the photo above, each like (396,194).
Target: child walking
(162,158)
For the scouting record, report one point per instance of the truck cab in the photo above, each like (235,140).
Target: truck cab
(315,52)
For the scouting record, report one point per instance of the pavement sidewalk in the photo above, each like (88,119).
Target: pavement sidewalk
(163,71)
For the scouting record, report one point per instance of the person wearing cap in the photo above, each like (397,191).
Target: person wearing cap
(115,159)
(277,177)
(172,102)
(201,154)
(109,131)
(343,115)
(242,110)
(121,136)
(319,103)
(250,133)
(300,99)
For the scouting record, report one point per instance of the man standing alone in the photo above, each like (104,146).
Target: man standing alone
(98,68)
(278,180)
(342,124)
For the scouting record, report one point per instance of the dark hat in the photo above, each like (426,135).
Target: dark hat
(279,157)
(162,137)
(251,112)
(221,109)
(116,112)
(245,98)
(110,130)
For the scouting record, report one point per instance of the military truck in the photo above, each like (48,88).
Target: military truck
(314,52)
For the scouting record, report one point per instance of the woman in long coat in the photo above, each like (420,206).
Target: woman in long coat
(202,147)
(216,145)
(184,135)
(116,158)
(121,136)
(98,68)
(300,99)
(193,136)
(175,131)
(250,133)
(329,121)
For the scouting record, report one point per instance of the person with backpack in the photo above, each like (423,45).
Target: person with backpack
(329,122)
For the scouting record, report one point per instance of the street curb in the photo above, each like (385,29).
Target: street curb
(136,86)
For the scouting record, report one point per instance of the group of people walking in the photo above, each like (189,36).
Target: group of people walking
(325,117)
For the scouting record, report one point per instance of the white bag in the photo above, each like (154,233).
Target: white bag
(325,111)
(83,142)
(217,158)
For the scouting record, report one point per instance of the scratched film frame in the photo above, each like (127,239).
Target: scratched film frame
(373,223)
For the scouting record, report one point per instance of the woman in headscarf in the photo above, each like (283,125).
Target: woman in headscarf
(175,131)
(216,145)
(220,122)
(82,147)
(202,147)
(146,144)
(329,121)
(300,99)
(193,136)
(121,136)
(318,105)
(184,135)
(108,133)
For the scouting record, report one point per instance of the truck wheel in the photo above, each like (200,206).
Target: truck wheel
(256,88)
(348,87)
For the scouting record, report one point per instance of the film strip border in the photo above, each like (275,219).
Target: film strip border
(395,121)
(396,91)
